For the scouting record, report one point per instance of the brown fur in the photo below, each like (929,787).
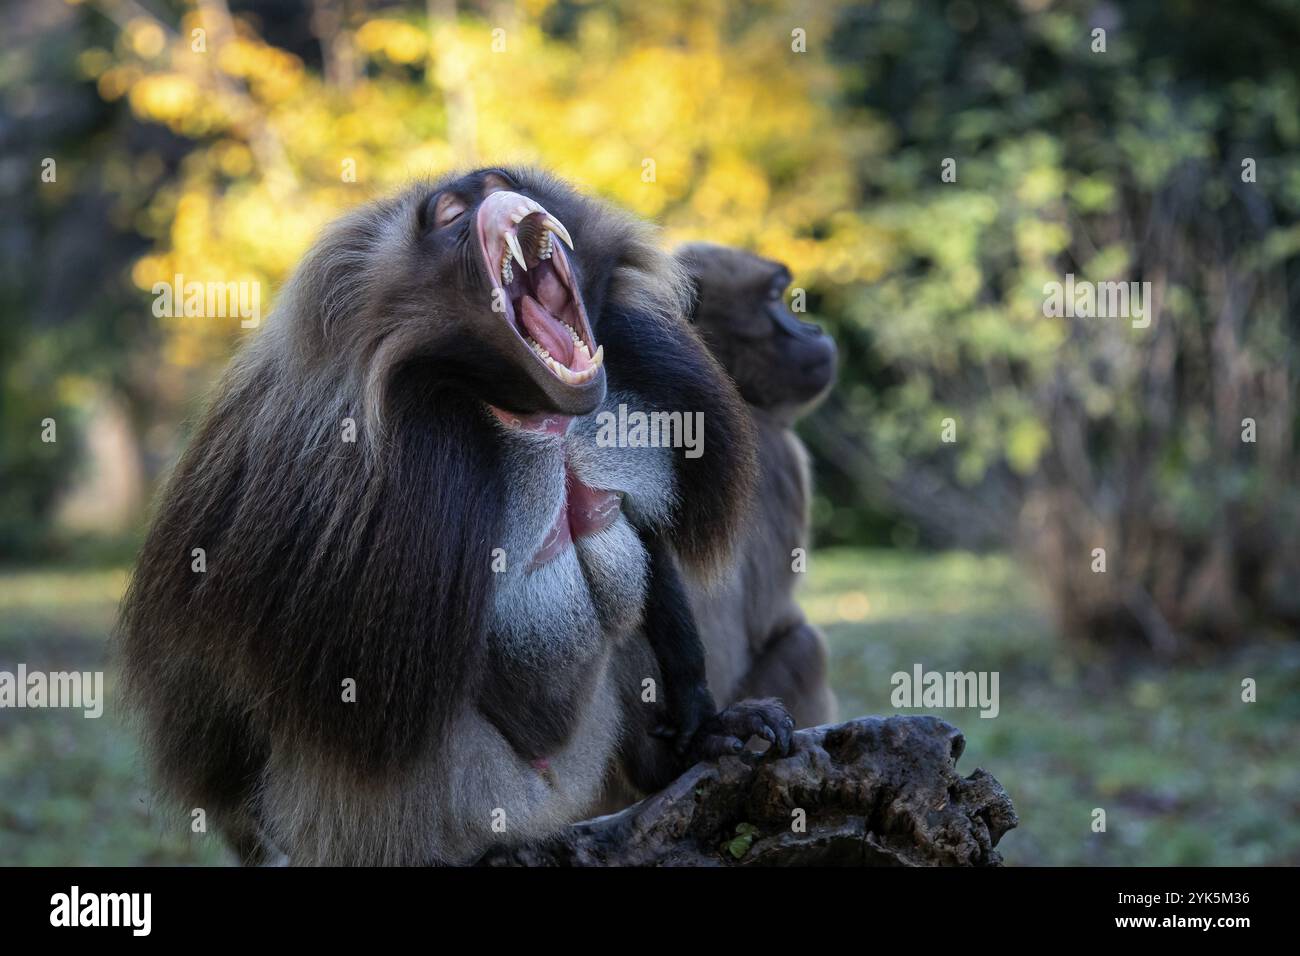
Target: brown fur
(371,561)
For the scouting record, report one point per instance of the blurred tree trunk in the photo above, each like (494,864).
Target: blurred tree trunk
(1191,493)
(329,22)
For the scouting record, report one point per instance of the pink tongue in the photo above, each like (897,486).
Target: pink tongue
(547,331)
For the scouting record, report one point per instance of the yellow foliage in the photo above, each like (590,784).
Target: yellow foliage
(92,62)
(664,114)
(167,98)
(145,37)
(400,42)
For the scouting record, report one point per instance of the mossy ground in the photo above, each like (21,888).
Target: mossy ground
(1186,772)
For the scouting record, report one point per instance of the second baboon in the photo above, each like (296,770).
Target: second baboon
(757,640)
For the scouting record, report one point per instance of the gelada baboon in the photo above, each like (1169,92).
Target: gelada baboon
(387,608)
(757,640)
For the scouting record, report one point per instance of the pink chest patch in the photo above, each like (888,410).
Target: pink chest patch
(586,510)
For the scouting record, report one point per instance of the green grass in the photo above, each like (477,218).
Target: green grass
(1186,773)
(72,788)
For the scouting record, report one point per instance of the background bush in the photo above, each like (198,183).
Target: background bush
(221,163)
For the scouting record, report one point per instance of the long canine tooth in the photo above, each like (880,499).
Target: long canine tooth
(516,250)
(599,356)
(558,228)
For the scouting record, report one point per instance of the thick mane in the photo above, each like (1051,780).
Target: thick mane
(331,558)
(326,559)
(653,350)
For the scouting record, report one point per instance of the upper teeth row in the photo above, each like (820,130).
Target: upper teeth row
(513,252)
(528,207)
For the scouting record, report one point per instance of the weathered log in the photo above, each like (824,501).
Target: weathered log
(876,791)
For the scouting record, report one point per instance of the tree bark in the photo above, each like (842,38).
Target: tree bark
(875,791)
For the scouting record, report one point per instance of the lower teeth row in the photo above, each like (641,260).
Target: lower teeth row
(577,344)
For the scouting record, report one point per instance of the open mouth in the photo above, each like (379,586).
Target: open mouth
(537,290)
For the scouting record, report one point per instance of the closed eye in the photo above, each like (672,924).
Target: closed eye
(448,209)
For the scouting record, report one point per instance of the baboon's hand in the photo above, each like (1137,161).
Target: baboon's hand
(727,730)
